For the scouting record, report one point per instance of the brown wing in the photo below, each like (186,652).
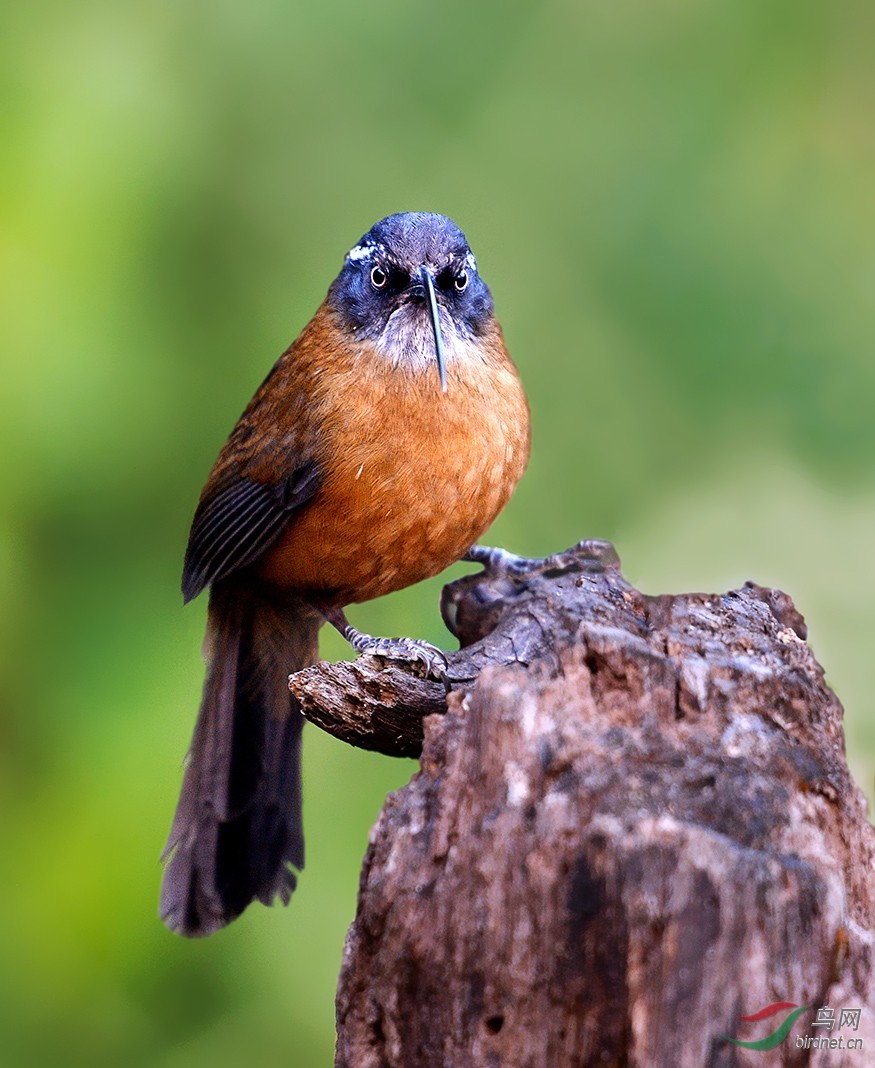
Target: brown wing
(239,520)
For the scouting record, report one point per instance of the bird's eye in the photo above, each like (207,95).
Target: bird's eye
(379,278)
(461,281)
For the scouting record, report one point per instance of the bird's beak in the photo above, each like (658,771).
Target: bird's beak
(427,281)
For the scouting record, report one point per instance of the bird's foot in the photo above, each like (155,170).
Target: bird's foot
(500,562)
(411,650)
(408,650)
(591,554)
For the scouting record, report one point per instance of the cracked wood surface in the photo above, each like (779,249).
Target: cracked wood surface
(633,823)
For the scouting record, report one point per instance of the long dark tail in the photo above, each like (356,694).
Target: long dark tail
(238,822)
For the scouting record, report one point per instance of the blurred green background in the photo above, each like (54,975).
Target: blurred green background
(673,205)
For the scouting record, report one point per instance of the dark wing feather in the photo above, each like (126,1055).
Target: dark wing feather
(239,521)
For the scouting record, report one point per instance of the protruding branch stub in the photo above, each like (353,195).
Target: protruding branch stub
(515,611)
(501,615)
(521,611)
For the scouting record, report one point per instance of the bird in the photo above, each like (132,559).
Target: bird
(377,451)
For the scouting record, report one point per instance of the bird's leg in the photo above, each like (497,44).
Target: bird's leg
(409,649)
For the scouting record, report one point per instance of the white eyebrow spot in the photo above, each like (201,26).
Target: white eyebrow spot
(360,252)
(366,251)
(470,261)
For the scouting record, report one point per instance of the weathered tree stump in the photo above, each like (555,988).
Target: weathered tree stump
(633,824)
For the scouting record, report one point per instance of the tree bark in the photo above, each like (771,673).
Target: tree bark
(633,823)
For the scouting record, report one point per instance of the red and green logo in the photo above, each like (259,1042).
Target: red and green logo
(777,1036)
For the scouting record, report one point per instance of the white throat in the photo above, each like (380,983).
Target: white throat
(408,339)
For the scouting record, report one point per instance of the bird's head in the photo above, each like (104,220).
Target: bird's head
(411,287)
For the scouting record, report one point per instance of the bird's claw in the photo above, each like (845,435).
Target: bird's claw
(410,650)
(500,562)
